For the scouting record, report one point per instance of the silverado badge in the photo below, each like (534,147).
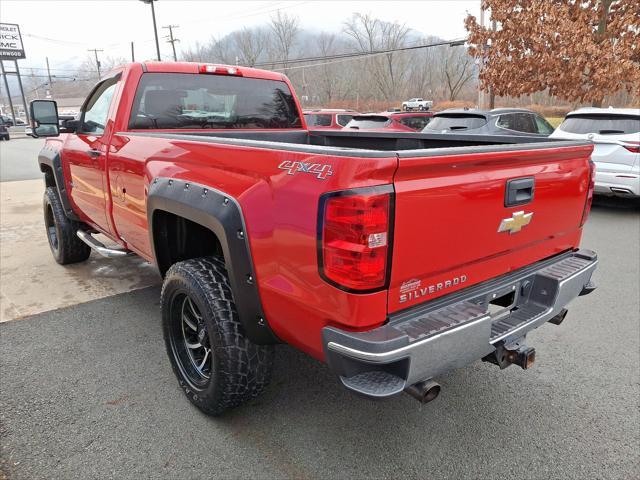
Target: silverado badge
(515,223)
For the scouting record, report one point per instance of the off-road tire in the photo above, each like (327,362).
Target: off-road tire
(65,245)
(240,369)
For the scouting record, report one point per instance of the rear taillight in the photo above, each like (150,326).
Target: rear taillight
(633,147)
(354,238)
(592,184)
(220,70)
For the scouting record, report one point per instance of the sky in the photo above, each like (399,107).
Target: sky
(64,30)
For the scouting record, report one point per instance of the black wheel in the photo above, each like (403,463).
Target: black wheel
(217,366)
(65,246)
(421,108)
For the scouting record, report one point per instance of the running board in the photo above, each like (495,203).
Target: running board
(100,247)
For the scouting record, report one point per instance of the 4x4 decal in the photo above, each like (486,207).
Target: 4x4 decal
(322,171)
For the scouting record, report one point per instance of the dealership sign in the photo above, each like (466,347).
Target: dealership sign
(10,42)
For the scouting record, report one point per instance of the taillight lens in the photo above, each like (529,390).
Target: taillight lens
(633,147)
(355,232)
(592,184)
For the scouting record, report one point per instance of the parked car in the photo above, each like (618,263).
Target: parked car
(416,121)
(7,120)
(373,122)
(615,133)
(327,118)
(417,104)
(499,121)
(365,250)
(4,132)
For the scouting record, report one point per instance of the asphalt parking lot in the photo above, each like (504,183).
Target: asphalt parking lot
(86,391)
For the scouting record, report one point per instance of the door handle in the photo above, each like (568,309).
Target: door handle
(519,191)
(93,153)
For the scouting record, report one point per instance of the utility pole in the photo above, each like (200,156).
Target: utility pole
(49,75)
(133,53)
(24,99)
(95,51)
(172,40)
(155,28)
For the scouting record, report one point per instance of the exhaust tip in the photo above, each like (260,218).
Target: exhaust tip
(621,191)
(424,392)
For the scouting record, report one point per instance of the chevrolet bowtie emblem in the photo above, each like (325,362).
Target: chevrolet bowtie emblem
(516,222)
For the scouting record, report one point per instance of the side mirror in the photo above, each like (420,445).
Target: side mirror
(44,118)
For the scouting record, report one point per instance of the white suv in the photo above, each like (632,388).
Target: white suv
(616,154)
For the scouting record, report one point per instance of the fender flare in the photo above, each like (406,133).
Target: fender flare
(221,214)
(50,157)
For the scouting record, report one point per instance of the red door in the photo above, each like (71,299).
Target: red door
(85,153)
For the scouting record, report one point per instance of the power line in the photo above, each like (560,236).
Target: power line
(360,54)
(172,40)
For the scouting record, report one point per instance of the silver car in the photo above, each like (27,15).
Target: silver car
(616,154)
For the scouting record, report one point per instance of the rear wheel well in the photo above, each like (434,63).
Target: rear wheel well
(177,238)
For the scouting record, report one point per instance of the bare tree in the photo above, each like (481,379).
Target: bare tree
(327,74)
(285,28)
(368,35)
(458,68)
(250,44)
(194,54)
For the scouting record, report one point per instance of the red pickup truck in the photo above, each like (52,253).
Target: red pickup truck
(393,257)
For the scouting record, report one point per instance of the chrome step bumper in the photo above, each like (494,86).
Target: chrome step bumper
(456,330)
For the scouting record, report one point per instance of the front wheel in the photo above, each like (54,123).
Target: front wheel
(64,243)
(217,366)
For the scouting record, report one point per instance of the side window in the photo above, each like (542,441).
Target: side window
(96,110)
(318,120)
(342,120)
(544,127)
(417,123)
(525,123)
(506,121)
(519,122)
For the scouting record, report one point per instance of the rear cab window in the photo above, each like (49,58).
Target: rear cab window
(456,121)
(188,101)
(366,122)
(603,124)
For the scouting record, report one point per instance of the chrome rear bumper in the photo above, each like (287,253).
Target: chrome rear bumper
(454,331)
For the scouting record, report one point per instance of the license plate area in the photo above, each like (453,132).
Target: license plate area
(501,302)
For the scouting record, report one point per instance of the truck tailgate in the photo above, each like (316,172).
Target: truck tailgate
(450,206)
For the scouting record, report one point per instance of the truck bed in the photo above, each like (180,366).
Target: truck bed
(305,141)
